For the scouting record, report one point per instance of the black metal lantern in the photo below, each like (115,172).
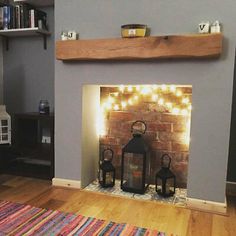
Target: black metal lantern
(107,171)
(135,165)
(165,179)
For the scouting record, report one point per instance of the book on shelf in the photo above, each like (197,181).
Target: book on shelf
(21,15)
(38,19)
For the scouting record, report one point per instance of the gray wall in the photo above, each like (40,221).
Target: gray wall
(212,80)
(29,71)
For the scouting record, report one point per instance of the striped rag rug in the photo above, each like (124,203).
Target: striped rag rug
(20,219)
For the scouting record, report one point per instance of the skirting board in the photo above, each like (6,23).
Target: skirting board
(68,183)
(207,206)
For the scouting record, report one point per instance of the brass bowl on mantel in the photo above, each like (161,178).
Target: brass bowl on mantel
(134,30)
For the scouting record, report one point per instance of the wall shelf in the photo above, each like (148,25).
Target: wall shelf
(154,47)
(37,3)
(24,32)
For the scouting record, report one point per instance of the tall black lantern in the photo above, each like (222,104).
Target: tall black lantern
(135,165)
(165,179)
(107,171)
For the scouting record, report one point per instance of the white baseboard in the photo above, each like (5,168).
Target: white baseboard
(208,206)
(68,183)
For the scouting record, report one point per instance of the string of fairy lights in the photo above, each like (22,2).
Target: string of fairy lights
(170,97)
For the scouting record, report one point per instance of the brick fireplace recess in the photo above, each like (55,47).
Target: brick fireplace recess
(166,110)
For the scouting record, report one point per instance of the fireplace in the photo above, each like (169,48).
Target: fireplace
(165,109)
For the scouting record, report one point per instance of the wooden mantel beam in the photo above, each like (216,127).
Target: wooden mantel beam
(154,47)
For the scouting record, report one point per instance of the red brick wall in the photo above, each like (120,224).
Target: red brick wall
(165,134)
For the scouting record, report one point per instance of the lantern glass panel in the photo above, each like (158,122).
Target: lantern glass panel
(4,130)
(4,122)
(159,185)
(165,186)
(133,169)
(4,137)
(109,178)
(169,186)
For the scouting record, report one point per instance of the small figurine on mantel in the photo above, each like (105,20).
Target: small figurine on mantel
(204,27)
(215,27)
(69,35)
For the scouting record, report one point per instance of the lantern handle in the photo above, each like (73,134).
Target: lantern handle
(164,156)
(141,131)
(107,150)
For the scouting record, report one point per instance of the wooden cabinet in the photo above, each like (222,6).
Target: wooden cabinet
(33,145)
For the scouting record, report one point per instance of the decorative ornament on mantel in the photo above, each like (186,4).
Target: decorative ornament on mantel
(206,27)
(134,30)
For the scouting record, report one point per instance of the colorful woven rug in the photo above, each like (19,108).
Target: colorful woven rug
(19,219)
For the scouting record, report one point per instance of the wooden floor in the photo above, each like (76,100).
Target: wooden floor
(167,218)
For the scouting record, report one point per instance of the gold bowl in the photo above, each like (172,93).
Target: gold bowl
(133,30)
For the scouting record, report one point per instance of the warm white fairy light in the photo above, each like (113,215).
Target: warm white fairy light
(154,97)
(179,93)
(163,87)
(151,91)
(145,90)
(116,107)
(122,88)
(129,88)
(138,88)
(176,111)
(184,112)
(172,88)
(185,100)
(161,101)
(169,105)
(155,87)
(123,104)
(130,102)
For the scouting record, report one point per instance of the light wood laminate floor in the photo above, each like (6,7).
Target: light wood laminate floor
(167,218)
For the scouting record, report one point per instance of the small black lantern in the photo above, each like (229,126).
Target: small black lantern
(165,179)
(107,171)
(135,164)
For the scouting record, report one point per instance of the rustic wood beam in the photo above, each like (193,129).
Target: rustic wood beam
(154,47)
